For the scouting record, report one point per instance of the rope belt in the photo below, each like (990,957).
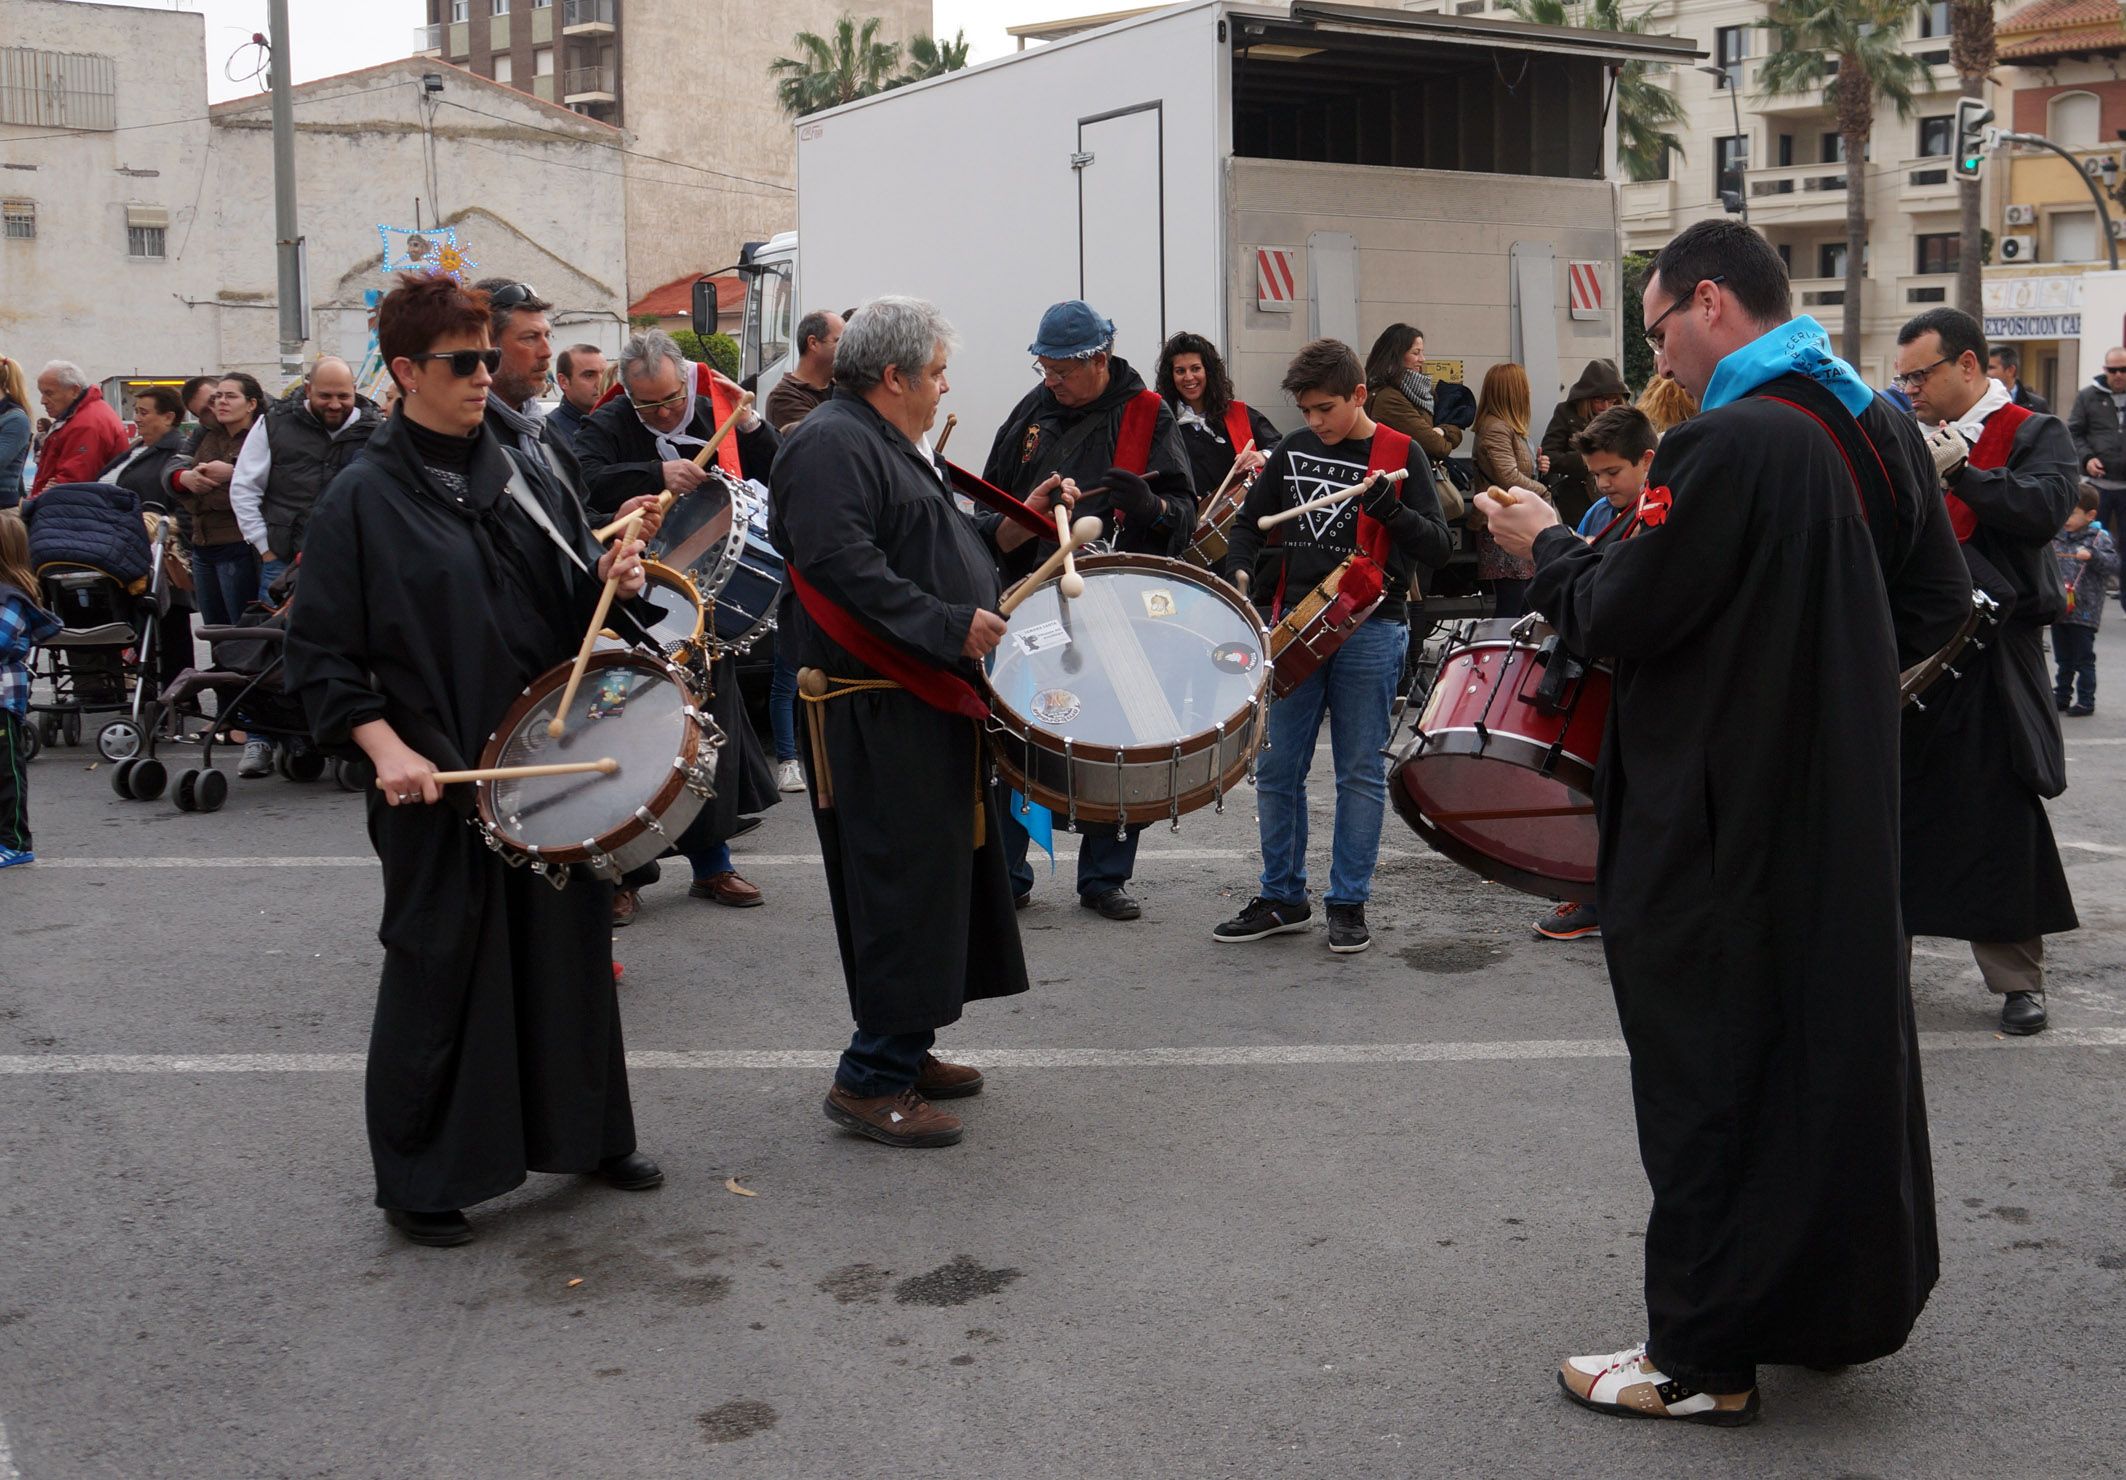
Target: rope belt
(817,689)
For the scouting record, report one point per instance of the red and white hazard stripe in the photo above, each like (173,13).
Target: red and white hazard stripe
(1273,275)
(1585,279)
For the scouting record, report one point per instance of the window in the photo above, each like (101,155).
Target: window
(541,4)
(1786,149)
(18,220)
(1732,157)
(2074,236)
(2074,120)
(460,10)
(1833,149)
(543,62)
(53,89)
(504,72)
(1934,18)
(1937,136)
(1730,45)
(501,7)
(145,242)
(1936,252)
(1786,257)
(1830,260)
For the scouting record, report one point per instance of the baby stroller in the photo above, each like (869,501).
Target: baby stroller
(102,576)
(244,675)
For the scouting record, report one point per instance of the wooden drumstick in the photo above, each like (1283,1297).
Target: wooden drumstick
(945,436)
(1072,584)
(559,723)
(606,767)
(700,459)
(1282,516)
(1084,532)
(1505,498)
(1230,474)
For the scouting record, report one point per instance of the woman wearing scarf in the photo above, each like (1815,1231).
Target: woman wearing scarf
(1748,870)
(1399,393)
(430,597)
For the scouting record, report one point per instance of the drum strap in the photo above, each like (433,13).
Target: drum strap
(536,512)
(818,689)
(1365,578)
(934,686)
(1140,420)
(1994,446)
(1239,430)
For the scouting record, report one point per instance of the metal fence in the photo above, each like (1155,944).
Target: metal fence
(57,89)
(579,80)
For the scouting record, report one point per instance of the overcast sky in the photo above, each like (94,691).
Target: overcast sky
(342,35)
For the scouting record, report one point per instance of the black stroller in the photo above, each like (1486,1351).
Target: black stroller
(106,590)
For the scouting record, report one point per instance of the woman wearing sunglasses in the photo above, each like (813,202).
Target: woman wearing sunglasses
(430,596)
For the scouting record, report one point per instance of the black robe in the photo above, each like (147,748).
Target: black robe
(618,456)
(1211,452)
(1747,883)
(1980,862)
(1037,440)
(925,919)
(496,1046)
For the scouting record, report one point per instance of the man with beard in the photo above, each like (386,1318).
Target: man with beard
(1092,420)
(284,469)
(1980,760)
(526,338)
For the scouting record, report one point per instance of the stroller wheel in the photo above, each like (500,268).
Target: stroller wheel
(48,728)
(305,766)
(186,792)
(350,776)
(72,727)
(32,742)
(212,791)
(147,778)
(119,740)
(122,779)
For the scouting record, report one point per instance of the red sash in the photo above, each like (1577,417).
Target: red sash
(1140,419)
(1367,577)
(1238,429)
(982,491)
(721,402)
(1994,445)
(934,686)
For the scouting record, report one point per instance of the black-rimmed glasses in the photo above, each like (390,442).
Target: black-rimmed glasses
(1653,343)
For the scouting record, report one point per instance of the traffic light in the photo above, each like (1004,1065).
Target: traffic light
(1972,116)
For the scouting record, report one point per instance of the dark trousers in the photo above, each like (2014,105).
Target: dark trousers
(1104,861)
(877,1064)
(1511,598)
(14,784)
(2074,655)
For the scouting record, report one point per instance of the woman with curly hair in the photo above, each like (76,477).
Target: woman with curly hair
(1214,426)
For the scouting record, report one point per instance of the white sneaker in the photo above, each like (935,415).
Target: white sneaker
(790,776)
(1628,1384)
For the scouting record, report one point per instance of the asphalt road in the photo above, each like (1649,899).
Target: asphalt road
(1254,1211)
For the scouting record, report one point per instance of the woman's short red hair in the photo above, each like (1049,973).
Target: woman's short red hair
(424,308)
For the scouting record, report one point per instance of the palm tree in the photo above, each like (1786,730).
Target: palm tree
(1852,52)
(829,71)
(1647,112)
(1971,53)
(929,57)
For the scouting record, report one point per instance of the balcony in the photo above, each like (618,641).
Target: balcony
(428,40)
(587,17)
(1797,195)
(587,85)
(1646,202)
(1926,290)
(1814,293)
(1929,184)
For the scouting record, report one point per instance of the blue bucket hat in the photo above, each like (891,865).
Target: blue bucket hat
(1071,330)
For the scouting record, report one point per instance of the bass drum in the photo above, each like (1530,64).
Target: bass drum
(631,707)
(1499,776)
(745,607)
(1144,698)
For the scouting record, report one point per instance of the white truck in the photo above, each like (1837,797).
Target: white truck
(1262,174)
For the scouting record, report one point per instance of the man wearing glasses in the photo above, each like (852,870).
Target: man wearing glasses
(1748,885)
(2097,422)
(1092,420)
(1980,863)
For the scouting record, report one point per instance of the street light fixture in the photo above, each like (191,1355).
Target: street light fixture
(1731,82)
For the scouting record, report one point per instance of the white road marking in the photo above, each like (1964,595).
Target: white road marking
(7,1458)
(753,860)
(1506,1050)
(2092,847)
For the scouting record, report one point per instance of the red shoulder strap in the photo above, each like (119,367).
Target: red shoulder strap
(1238,429)
(1140,419)
(721,404)
(934,686)
(1367,576)
(1994,445)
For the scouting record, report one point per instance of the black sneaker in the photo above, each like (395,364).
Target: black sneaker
(1264,917)
(1347,929)
(1569,921)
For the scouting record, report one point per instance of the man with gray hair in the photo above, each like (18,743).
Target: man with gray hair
(285,468)
(86,435)
(517,322)
(896,594)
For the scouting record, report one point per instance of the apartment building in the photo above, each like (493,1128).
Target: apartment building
(1785,158)
(712,161)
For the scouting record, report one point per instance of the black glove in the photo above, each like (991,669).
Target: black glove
(1382,499)
(1132,495)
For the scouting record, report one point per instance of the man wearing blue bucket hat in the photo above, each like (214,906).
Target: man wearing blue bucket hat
(1093,420)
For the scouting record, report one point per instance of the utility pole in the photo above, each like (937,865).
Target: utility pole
(288,247)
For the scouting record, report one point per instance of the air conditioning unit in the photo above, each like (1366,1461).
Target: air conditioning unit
(2118,229)
(2022,215)
(2021,248)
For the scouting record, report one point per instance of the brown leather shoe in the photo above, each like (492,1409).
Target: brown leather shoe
(905,1119)
(626,902)
(726,888)
(938,1080)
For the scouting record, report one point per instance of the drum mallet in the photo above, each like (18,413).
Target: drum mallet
(700,460)
(1072,584)
(605,767)
(945,436)
(1084,532)
(559,723)
(1230,474)
(1282,516)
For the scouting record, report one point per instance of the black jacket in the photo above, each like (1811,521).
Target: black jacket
(2029,399)
(146,471)
(95,524)
(307,456)
(2093,422)
(619,457)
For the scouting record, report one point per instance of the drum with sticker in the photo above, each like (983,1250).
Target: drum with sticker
(1144,698)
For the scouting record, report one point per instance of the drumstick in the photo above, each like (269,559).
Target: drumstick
(606,767)
(1084,532)
(951,421)
(1072,584)
(1230,474)
(700,459)
(559,722)
(1505,498)
(1271,521)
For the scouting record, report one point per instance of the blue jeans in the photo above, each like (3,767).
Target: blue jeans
(710,861)
(877,1064)
(2074,653)
(269,571)
(224,579)
(1104,861)
(1356,687)
(782,701)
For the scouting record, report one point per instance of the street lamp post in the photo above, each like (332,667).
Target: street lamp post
(1728,80)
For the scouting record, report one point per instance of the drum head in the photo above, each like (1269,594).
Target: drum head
(697,537)
(629,707)
(1154,652)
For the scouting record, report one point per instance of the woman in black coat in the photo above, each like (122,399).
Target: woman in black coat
(145,469)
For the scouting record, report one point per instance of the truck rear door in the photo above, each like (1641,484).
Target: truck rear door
(1120,165)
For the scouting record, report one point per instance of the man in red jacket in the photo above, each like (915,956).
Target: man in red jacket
(86,435)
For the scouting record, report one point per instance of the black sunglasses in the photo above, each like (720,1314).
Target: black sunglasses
(511,296)
(464,361)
